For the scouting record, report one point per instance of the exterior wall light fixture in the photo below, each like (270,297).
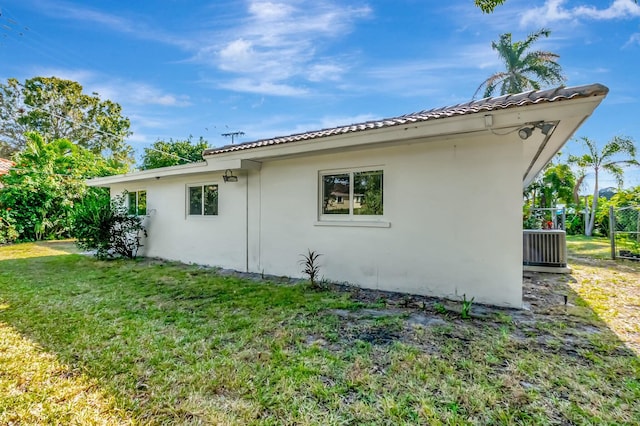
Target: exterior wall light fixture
(525,132)
(228,176)
(544,127)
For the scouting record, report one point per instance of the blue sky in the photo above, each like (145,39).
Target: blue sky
(271,68)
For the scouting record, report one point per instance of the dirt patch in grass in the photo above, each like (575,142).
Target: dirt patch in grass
(599,296)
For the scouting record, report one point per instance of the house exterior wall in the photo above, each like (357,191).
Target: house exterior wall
(451,223)
(172,234)
(453,210)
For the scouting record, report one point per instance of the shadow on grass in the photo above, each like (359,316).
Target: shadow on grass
(178,343)
(561,312)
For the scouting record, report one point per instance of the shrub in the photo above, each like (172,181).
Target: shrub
(8,231)
(104,225)
(311,268)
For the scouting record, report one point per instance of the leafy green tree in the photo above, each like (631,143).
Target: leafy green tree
(626,197)
(524,69)
(172,153)
(622,198)
(488,6)
(555,185)
(616,154)
(58,109)
(41,190)
(369,184)
(559,181)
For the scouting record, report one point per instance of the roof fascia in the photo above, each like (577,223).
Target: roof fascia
(211,165)
(436,129)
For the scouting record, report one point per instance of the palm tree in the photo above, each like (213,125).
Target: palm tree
(525,70)
(607,160)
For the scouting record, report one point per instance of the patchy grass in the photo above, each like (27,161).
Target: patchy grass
(152,342)
(609,290)
(591,247)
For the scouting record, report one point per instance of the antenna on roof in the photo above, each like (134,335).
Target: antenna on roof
(233,135)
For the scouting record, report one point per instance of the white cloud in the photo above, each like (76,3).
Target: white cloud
(551,11)
(274,126)
(325,72)
(263,87)
(634,39)
(619,9)
(330,122)
(237,55)
(135,27)
(278,42)
(554,10)
(269,11)
(270,43)
(142,94)
(117,90)
(140,138)
(81,76)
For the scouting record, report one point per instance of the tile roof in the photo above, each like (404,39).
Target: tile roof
(5,165)
(472,107)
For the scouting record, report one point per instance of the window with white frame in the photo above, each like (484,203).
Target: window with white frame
(137,203)
(202,200)
(352,193)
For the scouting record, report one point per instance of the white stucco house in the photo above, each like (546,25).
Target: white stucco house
(427,203)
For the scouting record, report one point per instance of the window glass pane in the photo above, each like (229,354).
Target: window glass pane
(335,194)
(142,203)
(195,200)
(211,199)
(131,204)
(367,193)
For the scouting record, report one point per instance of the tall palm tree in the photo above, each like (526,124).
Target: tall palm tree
(525,70)
(609,160)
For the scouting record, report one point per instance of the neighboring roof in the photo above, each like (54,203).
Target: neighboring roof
(473,107)
(5,165)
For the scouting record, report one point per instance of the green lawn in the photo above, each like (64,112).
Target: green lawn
(593,247)
(150,342)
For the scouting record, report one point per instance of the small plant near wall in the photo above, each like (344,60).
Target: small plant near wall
(439,308)
(311,268)
(465,312)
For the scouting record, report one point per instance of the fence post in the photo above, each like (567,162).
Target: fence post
(612,232)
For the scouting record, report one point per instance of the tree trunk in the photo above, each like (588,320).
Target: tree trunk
(586,216)
(594,207)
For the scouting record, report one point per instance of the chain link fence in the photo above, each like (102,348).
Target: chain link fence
(624,223)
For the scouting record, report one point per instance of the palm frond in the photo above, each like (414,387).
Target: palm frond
(616,171)
(523,71)
(491,83)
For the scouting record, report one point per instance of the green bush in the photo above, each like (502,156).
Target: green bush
(8,231)
(105,226)
(575,224)
(41,192)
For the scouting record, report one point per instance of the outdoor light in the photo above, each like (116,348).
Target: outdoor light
(545,128)
(525,132)
(229,177)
